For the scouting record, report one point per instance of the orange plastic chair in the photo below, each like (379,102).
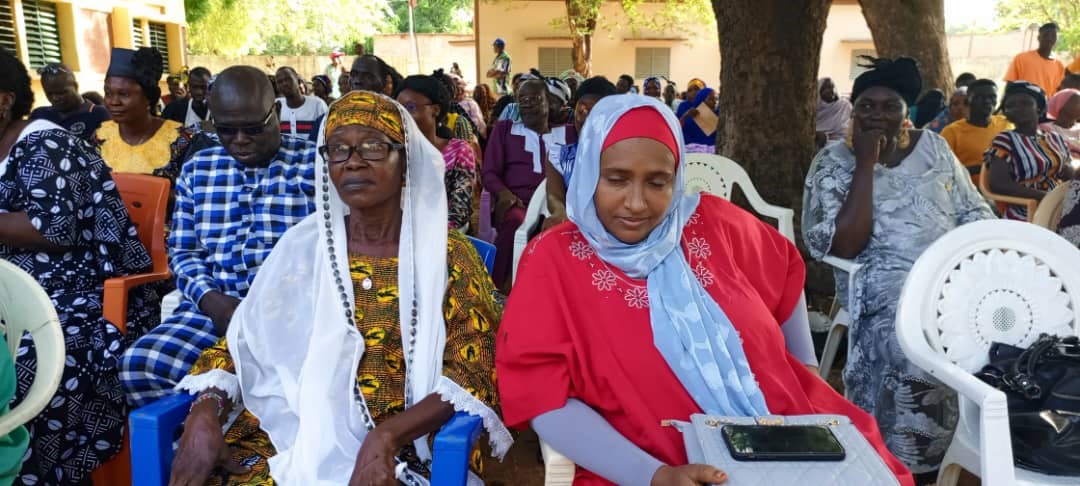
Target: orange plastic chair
(1003,201)
(146,198)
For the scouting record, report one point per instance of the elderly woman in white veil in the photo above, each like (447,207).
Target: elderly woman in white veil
(336,383)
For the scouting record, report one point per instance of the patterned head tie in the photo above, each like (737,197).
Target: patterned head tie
(366,109)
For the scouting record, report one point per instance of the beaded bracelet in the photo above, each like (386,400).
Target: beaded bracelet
(208,396)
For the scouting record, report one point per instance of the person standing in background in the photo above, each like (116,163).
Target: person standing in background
(833,114)
(193,110)
(69,109)
(177,89)
(298,111)
(500,69)
(335,69)
(1039,66)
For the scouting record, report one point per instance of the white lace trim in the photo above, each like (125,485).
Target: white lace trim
(463,401)
(220,379)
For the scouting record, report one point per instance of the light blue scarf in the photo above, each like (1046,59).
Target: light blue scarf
(689,329)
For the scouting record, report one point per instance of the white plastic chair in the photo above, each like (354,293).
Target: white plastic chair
(25,307)
(537,207)
(841,320)
(718,175)
(988,281)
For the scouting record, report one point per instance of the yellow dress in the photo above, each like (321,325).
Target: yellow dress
(472,315)
(144,158)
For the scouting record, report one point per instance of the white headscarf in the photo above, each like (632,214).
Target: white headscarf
(295,344)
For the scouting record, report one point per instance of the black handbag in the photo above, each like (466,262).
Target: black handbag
(1042,386)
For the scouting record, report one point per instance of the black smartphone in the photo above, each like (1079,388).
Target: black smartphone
(782,443)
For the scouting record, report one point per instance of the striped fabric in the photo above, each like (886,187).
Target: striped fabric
(1035,162)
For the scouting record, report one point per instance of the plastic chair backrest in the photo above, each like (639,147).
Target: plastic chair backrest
(1048,215)
(1002,202)
(718,175)
(486,251)
(537,207)
(147,198)
(25,307)
(989,281)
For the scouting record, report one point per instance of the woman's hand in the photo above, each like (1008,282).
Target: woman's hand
(375,461)
(689,475)
(202,448)
(869,145)
(504,202)
(552,221)
(691,113)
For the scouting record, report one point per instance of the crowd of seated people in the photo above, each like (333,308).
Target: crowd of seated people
(333,315)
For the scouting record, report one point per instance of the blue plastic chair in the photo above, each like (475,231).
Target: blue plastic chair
(153,429)
(154,426)
(486,251)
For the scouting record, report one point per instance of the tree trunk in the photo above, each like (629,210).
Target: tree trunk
(916,29)
(581,18)
(770,51)
(582,54)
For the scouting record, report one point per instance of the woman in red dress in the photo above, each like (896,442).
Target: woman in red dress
(651,304)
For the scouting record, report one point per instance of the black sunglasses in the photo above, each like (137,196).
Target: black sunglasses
(250,130)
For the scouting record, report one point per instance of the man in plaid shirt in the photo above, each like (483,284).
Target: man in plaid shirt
(233,203)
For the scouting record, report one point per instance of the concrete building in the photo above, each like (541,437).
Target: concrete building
(535,38)
(81,33)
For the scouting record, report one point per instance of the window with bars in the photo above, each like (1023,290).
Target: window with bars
(136,33)
(160,40)
(42,33)
(555,60)
(652,61)
(7,27)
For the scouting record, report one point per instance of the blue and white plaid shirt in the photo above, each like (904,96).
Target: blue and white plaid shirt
(229,216)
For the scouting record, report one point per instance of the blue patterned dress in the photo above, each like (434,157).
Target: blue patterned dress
(915,203)
(66,190)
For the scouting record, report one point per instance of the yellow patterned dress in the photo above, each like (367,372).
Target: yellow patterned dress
(472,315)
(155,153)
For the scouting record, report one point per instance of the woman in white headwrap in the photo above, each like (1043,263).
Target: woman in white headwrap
(368,327)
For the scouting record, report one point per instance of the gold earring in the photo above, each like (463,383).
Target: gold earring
(903,140)
(849,138)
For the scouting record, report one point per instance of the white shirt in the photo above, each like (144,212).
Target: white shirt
(299,122)
(192,119)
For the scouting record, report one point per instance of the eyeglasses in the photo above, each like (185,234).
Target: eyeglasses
(530,100)
(371,151)
(411,107)
(250,130)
